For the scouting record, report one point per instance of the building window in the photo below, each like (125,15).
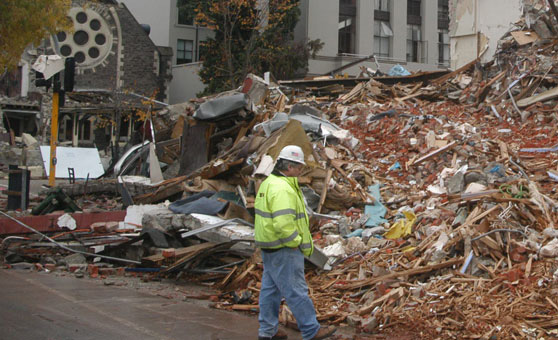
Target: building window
(443,14)
(185,13)
(413,12)
(382,37)
(443,47)
(86,130)
(413,7)
(184,50)
(382,28)
(415,49)
(381,5)
(347,26)
(443,33)
(69,129)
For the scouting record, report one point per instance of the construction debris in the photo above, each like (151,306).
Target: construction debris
(434,200)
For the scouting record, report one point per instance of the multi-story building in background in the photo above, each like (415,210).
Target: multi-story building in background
(171,27)
(175,28)
(412,33)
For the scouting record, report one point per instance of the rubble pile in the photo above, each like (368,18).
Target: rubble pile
(434,202)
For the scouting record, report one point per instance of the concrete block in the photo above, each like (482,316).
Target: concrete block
(74,259)
(369,325)
(29,140)
(542,30)
(37,171)
(354,320)
(456,183)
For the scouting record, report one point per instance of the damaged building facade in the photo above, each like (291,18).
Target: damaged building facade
(120,75)
(433,198)
(475,29)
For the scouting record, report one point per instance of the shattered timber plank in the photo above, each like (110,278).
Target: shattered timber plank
(164,190)
(178,253)
(410,272)
(324,190)
(196,249)
(435,152)
(396,293)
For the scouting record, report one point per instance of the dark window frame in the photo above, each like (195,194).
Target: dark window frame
(414,15)
(443,14)
(378,38)
(185,17)
(347,35)
(415,47)
(382,14)
(181,54)
(443,58)
(382,5)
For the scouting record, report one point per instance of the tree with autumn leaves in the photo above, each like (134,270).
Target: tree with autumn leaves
(24,22)
(251,36)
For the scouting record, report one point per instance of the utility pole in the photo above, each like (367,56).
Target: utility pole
(53,137)
(58,94)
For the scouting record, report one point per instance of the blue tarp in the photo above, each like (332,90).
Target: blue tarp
(398,71)
(377,211)
(355,233)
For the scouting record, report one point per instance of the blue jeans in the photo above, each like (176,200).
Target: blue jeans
(283,276)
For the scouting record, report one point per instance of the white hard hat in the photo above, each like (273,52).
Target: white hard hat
(292,153)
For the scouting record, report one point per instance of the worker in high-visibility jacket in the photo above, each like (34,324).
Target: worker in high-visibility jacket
(283,234)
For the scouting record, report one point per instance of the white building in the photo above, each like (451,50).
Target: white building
(174,28)
(412,33)
(478,25)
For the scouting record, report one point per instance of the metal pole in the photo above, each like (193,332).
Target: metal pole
(53,138)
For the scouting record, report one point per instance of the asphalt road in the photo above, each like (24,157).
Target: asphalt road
(37,305)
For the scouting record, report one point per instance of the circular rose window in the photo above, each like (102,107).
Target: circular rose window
(91,41)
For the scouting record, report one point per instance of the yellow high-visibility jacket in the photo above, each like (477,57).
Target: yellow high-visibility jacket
(281,218)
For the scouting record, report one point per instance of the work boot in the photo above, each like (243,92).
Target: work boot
(280,335)
(324,332)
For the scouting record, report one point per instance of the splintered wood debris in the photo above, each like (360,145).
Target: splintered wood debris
(436,197)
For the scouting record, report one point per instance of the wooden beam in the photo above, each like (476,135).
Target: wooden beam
(434,153)
(410,272)
(324,190)
(396,293)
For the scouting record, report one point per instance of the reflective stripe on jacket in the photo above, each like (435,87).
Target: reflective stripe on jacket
(281,219)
